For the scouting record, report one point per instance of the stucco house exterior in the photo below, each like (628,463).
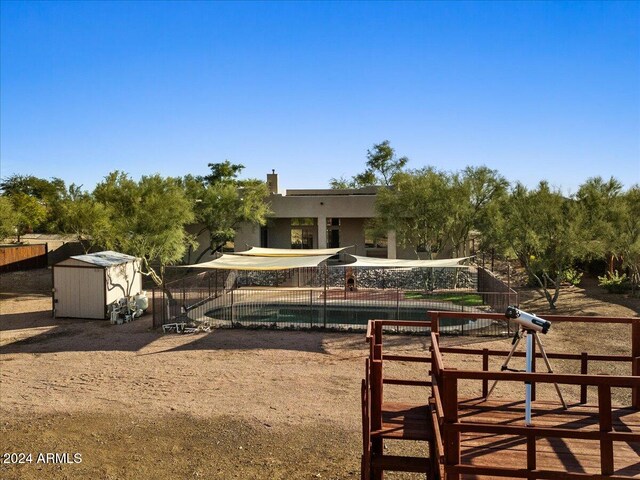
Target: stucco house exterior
(317,218)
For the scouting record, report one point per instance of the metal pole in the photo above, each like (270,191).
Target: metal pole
(527,412)
(153,308)
(324,309)
(232,317)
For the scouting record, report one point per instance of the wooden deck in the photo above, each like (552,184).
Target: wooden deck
(581,456)
(488,439)
(405,422)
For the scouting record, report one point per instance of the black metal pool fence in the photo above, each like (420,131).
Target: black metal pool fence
(335,298)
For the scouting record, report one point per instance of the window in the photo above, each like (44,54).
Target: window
(303,222)
(333,232)
(301,238)
(302,232)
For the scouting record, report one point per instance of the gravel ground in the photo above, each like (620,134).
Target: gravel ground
(228,404)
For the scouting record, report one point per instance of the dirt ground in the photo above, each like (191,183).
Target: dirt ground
(137,404)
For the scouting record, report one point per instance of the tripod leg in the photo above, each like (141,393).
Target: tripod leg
(506,362)
(546,360)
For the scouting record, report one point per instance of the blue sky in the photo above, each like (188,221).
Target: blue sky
(537,91)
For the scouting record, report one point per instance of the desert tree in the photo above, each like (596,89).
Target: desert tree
(42,195)
(8,219)
(542,229)
(602,214)
(222,202)
(30,213)
(628,234)
(46,190)
(88,220)
(382,165)
(148,219)
(470,194)
(416,208)
(431,209)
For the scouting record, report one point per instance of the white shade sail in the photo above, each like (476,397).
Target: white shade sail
(290,252)
(275,262)
(399,263)
(239,262)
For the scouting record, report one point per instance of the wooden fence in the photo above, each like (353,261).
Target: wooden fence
(446,396)
(23,257)
(447,382)
(583,358)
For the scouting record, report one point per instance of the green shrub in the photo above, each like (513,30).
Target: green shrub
(572,276)
(615,283)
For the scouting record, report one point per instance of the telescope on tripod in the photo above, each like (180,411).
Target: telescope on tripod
(530,326)
(527,321)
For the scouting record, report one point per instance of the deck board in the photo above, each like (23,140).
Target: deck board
(405,421)
(558,454)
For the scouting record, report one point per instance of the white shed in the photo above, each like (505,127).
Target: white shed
(85,285)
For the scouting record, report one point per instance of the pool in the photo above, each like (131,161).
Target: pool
(282,315)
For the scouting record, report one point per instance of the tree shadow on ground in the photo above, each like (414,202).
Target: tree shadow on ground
(564,452)
(20,321)
(588,299)
(137,336)
(245,339)
(74,335)
(593,290)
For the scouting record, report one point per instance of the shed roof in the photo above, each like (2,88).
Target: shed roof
(107,258)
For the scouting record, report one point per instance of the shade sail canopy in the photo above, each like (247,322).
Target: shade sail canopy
(274,262)
(398,263)
(239,262)
(290,252)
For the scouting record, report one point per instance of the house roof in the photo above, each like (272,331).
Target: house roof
(107,258)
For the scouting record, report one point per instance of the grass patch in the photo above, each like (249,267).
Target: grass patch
(466,299)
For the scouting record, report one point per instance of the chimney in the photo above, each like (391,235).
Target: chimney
(272,182)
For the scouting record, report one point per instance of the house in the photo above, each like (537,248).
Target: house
(317,218)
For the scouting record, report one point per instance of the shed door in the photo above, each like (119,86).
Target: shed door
(79,292)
